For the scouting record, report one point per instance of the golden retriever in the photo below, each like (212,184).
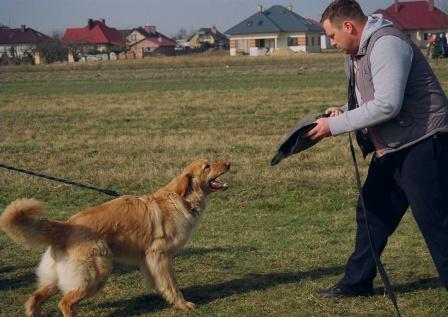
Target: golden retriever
(145,230)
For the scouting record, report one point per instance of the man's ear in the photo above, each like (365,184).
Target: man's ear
(183,184)
(347,26)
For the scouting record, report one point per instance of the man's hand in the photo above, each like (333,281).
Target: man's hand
(333,111)
(320,131)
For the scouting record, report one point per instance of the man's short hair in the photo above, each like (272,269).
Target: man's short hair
(339,10)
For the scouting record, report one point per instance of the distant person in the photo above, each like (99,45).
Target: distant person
(437,48)
(444,45)
(400,113)
(429,46)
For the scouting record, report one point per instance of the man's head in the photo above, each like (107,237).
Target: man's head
(343,22)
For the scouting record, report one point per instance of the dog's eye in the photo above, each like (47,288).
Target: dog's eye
(206,166)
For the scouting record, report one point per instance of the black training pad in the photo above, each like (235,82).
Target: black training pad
(295,142)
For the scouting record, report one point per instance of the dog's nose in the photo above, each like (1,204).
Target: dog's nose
(227,164)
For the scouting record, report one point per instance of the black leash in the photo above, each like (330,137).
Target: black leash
(379,265)
(61,180)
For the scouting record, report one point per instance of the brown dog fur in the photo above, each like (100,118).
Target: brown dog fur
(146,230)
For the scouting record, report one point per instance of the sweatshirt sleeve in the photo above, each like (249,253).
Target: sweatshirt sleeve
(390,62)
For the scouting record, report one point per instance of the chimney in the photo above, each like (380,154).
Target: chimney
(23,28)
(290,7)
(430,5)
(397,6)
(213,29)
(259,8)
(90,23)
(151,29)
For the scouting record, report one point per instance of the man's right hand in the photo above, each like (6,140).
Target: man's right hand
(333,111)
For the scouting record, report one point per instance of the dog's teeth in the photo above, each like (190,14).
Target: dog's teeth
(225,185)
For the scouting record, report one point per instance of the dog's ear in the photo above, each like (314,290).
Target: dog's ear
(183,184)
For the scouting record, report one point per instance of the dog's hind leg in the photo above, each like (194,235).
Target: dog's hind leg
(161,270)
(48,279)
(34,303)
(82,280)
(69,301)
(83,273)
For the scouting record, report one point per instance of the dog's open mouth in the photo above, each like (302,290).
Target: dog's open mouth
(217,185)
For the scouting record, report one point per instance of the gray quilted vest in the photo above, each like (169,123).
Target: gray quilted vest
(425,105)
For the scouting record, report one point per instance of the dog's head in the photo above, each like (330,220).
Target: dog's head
(200,177)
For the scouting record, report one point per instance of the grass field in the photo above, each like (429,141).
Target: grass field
(267,245)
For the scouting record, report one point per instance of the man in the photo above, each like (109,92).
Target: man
(400,112)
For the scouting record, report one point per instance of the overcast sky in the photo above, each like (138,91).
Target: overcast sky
(168,16)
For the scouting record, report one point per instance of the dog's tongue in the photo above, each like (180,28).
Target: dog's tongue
(217,185)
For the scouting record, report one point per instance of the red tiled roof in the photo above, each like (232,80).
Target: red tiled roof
(97,33)
(414,15)
(21,35)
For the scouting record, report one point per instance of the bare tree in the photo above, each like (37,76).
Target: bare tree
(53,50)
(57,35)
(181,34)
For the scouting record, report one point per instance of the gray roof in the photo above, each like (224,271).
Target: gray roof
(274,20)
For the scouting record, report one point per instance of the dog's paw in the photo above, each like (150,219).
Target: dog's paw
(186,305)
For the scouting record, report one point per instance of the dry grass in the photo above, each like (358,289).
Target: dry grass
(268,244)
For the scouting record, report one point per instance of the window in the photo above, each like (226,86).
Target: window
(312,41)
(260,43)
(242,46)
(425,36)
(292,41)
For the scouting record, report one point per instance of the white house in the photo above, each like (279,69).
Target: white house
(273,29)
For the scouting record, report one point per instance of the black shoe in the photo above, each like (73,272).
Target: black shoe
(336,291)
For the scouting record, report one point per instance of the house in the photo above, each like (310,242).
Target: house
(274,29)
(417,19)
(96,37)
(182,45)
(325,42)
(143,41)
(20,42)
(206,38)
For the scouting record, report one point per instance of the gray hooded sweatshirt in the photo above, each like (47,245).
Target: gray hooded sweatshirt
(390,86)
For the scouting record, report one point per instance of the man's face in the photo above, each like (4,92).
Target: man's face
(340,35)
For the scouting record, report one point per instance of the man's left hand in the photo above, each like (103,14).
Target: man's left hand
(320,131)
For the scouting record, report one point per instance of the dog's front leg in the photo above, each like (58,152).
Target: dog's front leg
(160,268)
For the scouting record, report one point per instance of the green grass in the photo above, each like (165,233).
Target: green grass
(267,245)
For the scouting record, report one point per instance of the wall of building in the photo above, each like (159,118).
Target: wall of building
(306,42)
(420,37)
(325,42)
(19,50)
(247,44)
(147,47)
(134,37)
(252,45)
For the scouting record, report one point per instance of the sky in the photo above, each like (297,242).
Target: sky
(169,16)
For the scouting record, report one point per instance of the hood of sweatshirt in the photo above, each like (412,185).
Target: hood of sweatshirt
(373,24)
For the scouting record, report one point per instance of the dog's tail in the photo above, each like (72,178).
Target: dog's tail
(19,221)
